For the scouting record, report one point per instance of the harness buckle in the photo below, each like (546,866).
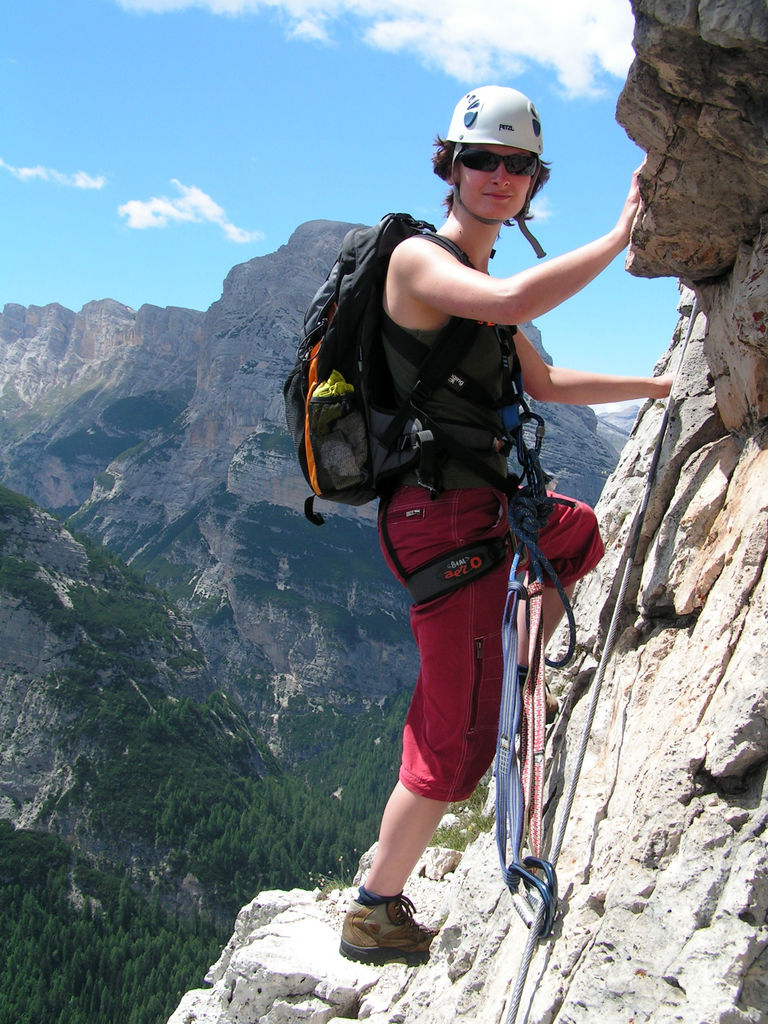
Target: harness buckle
(423,442)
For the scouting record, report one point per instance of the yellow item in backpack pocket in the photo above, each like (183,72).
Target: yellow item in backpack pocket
(334,387)
(328,402)
(337,432)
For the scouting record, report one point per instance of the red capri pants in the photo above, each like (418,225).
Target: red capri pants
(450,732)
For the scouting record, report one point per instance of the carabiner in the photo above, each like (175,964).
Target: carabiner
(546,887)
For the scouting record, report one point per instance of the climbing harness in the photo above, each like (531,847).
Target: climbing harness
(539,905)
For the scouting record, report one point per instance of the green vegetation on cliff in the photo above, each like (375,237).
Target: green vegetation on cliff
(175,812)
(78,947)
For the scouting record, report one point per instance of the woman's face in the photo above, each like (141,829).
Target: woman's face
(496,193)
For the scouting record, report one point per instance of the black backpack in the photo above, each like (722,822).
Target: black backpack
(352,439)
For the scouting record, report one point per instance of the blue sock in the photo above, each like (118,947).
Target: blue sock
(370,899)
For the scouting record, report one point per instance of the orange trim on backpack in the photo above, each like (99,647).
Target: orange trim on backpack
(312,383)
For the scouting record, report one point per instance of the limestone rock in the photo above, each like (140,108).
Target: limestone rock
(282,965)
(738,338)
(695,102)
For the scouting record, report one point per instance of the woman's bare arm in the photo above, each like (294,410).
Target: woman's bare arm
(426,285)
(581,387)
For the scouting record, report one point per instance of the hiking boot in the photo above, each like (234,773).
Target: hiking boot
(385,932)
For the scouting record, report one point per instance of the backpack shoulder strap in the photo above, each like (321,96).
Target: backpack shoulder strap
(451,246)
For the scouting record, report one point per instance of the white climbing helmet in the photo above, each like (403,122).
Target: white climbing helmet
(498,115)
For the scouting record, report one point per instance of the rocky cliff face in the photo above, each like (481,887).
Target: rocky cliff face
(663,873)
(76,389)
(695,101)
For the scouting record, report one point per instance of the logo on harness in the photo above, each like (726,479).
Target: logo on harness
(442,575)
(462,567)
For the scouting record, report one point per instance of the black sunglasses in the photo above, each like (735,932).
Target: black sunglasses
(514,163)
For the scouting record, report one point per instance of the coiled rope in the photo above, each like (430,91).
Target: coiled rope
(538,928)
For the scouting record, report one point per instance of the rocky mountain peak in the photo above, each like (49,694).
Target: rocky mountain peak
(286,276)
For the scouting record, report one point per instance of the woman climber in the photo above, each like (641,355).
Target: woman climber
(491,158)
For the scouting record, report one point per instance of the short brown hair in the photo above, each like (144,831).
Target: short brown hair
(442,164)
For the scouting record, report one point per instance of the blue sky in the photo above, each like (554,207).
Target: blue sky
(147,146)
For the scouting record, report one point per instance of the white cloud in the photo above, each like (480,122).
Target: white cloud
(582,40)
(78,180)
(541,208)
(192,206)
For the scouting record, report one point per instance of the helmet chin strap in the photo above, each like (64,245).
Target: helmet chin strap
(534,242)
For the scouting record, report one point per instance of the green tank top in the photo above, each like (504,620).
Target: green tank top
(481,362)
